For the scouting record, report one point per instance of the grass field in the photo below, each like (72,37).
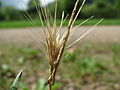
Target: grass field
(25,23)
(93,66)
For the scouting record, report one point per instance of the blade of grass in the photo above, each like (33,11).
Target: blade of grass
(16,82)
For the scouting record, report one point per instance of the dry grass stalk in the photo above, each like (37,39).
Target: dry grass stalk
(53,41)
(56,47)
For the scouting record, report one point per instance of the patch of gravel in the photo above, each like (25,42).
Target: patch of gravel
(102,34)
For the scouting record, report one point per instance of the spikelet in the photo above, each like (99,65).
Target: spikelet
(56,41)
(56,47)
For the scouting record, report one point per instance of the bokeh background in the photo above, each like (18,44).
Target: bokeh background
(92,64)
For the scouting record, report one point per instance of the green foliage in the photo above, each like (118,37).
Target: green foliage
(87,62)
(99,9)
(115,48)
(71,57)
(10,13)
(41,85)
(28,52)
(90,66)
(57,86)
(117,5)
(69,5)
(87,65)
(25,23)
(32,3)
(63,5)
(23,86)
(60,8)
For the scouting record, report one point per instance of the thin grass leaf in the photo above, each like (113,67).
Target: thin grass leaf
(16,82)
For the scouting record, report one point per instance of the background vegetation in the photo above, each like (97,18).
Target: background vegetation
(100,9)
(87,65)
(107,9)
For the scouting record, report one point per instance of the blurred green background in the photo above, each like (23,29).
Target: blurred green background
(92,64)
(12,16)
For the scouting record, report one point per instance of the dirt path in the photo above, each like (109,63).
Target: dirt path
(102,34)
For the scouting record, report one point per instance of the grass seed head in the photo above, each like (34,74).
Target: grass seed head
(52,40)
(55,44)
